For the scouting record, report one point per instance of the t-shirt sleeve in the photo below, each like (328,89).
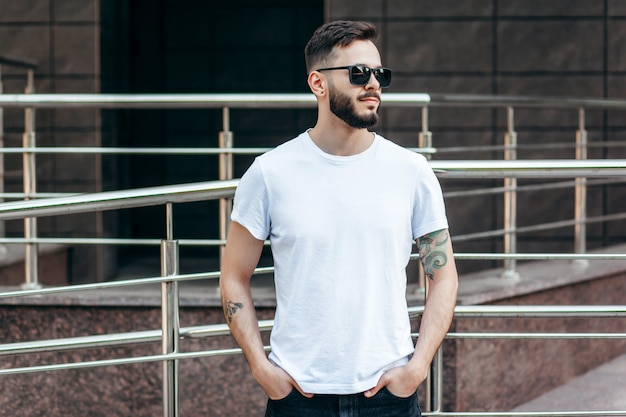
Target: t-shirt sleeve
(429,210)
(250,207)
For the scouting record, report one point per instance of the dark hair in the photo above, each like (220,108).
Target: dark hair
(339,33)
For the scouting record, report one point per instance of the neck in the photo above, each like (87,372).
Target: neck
(340,139)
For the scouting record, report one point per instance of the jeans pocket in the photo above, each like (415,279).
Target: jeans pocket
(289,406)
(291,394)
(386,391)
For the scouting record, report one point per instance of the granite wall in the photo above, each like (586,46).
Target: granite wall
(218,386)
(479,374)
(500,374)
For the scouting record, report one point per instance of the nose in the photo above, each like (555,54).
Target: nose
(372,83)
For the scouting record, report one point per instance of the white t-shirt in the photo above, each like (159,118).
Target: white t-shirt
(341,230)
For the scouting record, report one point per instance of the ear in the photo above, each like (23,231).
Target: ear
(317,83)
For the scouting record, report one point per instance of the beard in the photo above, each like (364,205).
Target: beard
(342,107)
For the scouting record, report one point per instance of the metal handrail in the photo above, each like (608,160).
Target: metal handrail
(524,413)
(558,168)
(504,101)
(168,101)
(111,200)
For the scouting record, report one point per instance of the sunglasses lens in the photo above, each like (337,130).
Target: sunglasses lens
(360,75)
(383,75)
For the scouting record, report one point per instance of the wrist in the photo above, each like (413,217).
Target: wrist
(260,368)
(418,369)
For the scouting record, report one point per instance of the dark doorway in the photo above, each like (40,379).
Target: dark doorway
(196,46)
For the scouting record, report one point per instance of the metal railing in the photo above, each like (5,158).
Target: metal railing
(227,151)
(583,171)
(171,333)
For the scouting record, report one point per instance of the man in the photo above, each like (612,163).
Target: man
(342,207)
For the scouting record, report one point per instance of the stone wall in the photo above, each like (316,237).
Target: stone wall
(63,38)
(479,374)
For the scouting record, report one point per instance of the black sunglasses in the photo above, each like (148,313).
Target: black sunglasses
(360,74)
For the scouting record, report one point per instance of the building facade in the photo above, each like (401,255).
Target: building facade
(530,48)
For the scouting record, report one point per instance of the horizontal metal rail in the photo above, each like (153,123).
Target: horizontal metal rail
(531,187)
(538,227)
(503,101)
(488,335)
(135,151)
(124,199)
(523,146)
(547,311)
(531,168)
(178,101)
(120,361)
(165,101)
(108,241)
(109,340)
(108,285)
(112,200)
(540,256)
(121,283)
(155,151)
(218,242)
(195,332)
(232,351)
(523,413)
(270,269)
(87,150)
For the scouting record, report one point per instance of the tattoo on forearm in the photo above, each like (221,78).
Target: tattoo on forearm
(432,251)
(230,309)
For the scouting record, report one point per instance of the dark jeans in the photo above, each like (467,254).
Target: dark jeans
(383,404)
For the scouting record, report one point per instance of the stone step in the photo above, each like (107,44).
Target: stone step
(601,389)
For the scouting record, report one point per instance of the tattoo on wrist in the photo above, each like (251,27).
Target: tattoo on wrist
(432,251)
(230,309)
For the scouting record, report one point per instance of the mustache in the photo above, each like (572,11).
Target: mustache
(370,94)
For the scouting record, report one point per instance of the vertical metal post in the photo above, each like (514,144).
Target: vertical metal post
(31,260)
(225,173)
(170,323)
(425,136)
(431,377)
(434,380)
(510,199)
(2,231)
(425,140)
(436,369)
(580,204)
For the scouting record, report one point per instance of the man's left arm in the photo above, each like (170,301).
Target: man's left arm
(436,255)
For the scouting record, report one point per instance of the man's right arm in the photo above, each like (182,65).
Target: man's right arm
(240,258)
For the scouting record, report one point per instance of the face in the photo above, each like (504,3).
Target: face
(356,106)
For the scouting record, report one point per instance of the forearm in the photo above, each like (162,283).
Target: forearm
(438,262)
(240,258)
(240,316)
(435,322)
